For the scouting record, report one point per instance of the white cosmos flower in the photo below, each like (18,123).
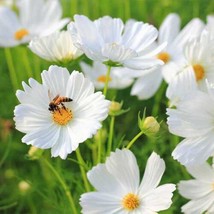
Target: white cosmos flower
(200,190)
(119,189)
(36,18)
(64,128)
(199,55)
(97,74)
(193,120)
(172,55)
(108,40)
(56,47)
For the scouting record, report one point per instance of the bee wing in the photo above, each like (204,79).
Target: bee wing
(51,95)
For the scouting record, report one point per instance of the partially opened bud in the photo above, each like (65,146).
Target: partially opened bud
(114,107)
(150,125)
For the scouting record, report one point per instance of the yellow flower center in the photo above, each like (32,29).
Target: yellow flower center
(103,79)
(199,71)
(62,116)
(20,34)
(130,202)
(164,56)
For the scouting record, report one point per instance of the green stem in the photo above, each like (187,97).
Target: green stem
(134,139)
(107,81)
(158,99)
(111,133)
(26,63)
(82,169)
(64,186)
(12,72)
(99,152)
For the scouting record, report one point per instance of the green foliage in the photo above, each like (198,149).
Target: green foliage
(46,194)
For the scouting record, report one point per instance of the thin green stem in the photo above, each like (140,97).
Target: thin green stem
(12,72)
(26,61)
(158,99)
(99,152)
(82,169)
(107,81)
(64,186)
(134,139)
(111,133)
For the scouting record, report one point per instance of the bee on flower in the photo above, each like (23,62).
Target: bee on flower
(61,112)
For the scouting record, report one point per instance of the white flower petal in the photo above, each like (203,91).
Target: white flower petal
(55,79)
(181,86)
(28,117)
(139,36)
(191,30)
(194,150)
(147,85)
(198,206)
(103,181)
(9,24)
(186,122)
(128,174)
(97,203)
(43,138)
(64,145)
(160,198)
(84,26)
(194,189)
(203,172)
(110,29)
(117,53)
(169,29)
(155,168)
(78,87)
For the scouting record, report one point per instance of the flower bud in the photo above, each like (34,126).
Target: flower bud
(34,153)
(150,125)
(23,187)
(114,107)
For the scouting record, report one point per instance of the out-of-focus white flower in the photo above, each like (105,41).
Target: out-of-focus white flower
(181,86)
(36,18)
(199,55)
(118,187)
(107,40)
(193,119)
(97,74)
(57,122)
(57,47)
(200,190)
(172,55)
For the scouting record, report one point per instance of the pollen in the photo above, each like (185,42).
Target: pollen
(199,71)
(20,34)
(164,56)
(62,116)
(130,202)
(103,79)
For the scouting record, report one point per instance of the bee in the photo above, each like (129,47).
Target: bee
(57,101)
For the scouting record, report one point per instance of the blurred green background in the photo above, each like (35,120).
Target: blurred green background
(45,194)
